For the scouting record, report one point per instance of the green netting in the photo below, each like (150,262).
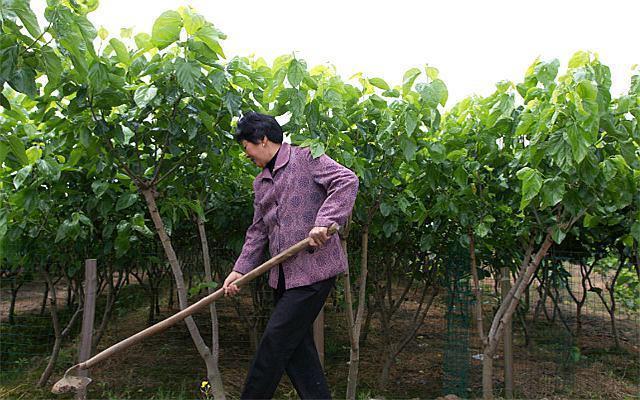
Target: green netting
(456,358)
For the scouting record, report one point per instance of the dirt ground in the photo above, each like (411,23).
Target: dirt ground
(29,298)
(167,365)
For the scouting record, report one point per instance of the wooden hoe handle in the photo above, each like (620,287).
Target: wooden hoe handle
(202,303)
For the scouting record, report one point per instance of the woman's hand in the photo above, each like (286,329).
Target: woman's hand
(229,288)
(318,236)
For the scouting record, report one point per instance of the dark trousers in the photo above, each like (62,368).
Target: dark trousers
(287,345)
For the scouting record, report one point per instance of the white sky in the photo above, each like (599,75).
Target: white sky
(473,43)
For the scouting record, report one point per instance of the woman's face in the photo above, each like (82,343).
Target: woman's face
(257,152)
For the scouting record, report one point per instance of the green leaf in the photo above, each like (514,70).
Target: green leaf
(17,148)
(379,83)
(192,21)
(553,191)
(385,209)
(121,51)
(62,231)
(143,41)
(578,143)
(295,72)
(408,79)
(531,184)
(426,242)
(122,243)
(23,80)
(410,121)
(52,64)
(390,227)
(460,175)
(609,169)
(75,156)
(431,72)
(99,188)
(628,151)
(579,59)
(433,93)
(103,33)
(4,150)
(586,90)
(409,148)
(188,74)
(557,234)
(441,91)
(457,155)
(296,104)
(87,31)
(317,149)
(437,151)
(49,169)
(34,153)
(26,15)
(127,134)
(8,61)
(126,33)
(99,76)
(138,225)
(21,175)
(590,221)
(547,72)
(166,29)
(527,120)
(143,95)
(126,200)
(211,37)
(4,102)
(232,102)
(635,230)
(482,230)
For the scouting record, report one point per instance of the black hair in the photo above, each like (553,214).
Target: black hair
(253,126)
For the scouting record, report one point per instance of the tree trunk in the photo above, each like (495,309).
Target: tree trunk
(43,306)
(152,307)
(170,296)
(59,333)
(476,285)
(202,348)
(504,313)
(487,375)
(355,324)
(213,371)
(112,295)
(396,348)
(612,292)
(15,287)
(367,324)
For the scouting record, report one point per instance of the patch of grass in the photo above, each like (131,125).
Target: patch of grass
(620,363)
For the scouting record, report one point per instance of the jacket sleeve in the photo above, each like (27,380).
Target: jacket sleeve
(341,185)
(255,243)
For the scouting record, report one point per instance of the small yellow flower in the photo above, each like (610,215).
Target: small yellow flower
(204,385)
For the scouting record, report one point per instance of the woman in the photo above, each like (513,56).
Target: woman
(296,196)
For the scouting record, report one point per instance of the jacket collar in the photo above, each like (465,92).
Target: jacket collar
(281,160)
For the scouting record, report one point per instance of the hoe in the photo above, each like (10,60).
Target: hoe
(71,382)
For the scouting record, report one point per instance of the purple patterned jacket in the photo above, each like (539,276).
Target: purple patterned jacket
(304,192)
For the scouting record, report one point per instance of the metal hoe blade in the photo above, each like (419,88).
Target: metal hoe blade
(70,383)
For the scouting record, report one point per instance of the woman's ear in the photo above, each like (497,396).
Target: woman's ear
(264,141)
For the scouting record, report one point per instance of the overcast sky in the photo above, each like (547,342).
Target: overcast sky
(474,44)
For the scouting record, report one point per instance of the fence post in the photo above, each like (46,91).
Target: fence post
(507,340)
(88,313)
(318,335)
